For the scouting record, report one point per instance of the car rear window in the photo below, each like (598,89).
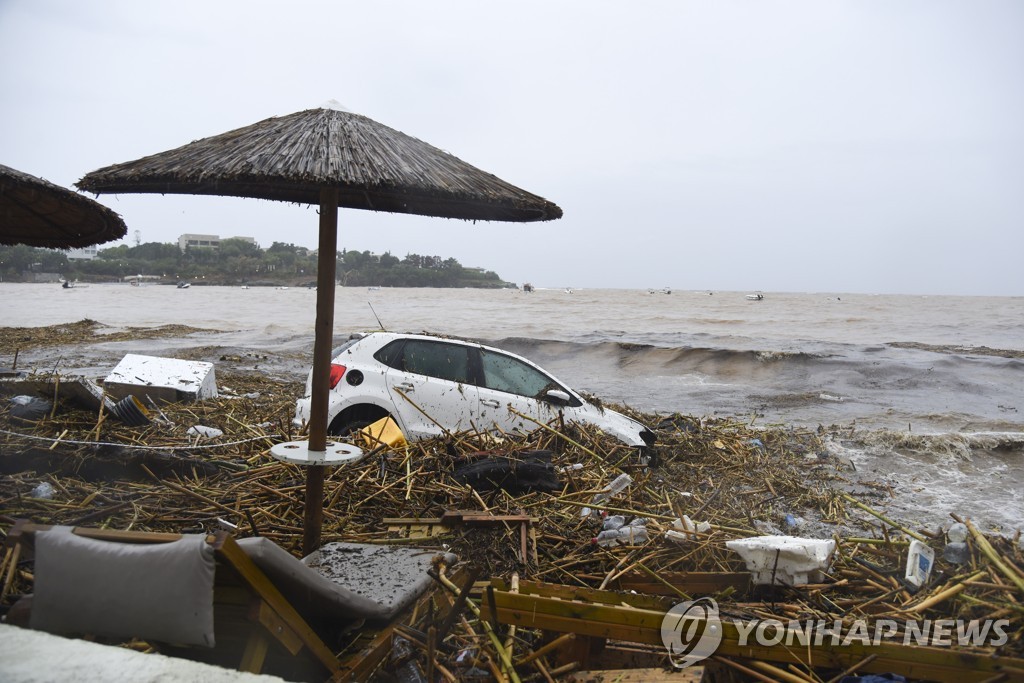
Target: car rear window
(436,359)
(336,351)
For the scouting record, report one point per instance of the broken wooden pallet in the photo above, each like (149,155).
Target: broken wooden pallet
(626,617)
(432,527)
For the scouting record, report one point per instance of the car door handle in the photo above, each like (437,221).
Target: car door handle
(491,403)
(406,386)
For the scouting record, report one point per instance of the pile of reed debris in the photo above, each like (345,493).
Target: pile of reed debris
(76,468)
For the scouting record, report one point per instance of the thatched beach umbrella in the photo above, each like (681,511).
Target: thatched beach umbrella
(335,159)
(38,213)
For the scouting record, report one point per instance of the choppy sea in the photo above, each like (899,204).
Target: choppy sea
(926,392)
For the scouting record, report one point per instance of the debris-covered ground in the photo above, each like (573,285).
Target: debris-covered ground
(77,467)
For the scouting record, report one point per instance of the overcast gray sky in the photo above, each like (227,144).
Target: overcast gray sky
(800,145)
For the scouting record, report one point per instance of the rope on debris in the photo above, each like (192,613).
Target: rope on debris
(138,447)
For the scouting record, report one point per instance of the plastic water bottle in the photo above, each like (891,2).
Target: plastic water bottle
(609,538)
(633,533)
(613,522)
(619,484)
(956,551)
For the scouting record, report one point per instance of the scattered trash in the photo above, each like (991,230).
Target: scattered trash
(784,560)
(204,431)
(619,484)
(920,559)
(384,431)
(130,411)
(684,530)
(613,522)
(731,487)
(44,491)
(29,408)
(634,533)
(165,379)
(956,550)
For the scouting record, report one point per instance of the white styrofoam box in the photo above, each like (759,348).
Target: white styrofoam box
(920,560)
(162,379)
(791,560)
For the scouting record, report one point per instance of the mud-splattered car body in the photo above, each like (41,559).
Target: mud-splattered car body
(432,385)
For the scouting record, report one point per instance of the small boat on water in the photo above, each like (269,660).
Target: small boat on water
(184,285)
(755,297)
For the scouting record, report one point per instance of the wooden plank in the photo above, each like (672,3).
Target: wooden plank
(255,652)
(591,595)
(692,674)
(451,517)
(692,583)
(277,626)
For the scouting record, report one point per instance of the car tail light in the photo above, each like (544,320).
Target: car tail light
(337,372)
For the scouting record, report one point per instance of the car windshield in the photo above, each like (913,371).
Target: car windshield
(504,373)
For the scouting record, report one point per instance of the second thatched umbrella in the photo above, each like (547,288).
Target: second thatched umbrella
(38,213)
(333,158)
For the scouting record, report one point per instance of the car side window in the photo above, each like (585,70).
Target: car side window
(504,373)
(436,359)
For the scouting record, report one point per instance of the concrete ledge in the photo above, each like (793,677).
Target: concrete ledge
(28,656)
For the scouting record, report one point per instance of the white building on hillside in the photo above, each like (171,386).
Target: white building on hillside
(82,253)
(195,241)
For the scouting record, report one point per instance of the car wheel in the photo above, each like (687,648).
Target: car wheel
(354,419)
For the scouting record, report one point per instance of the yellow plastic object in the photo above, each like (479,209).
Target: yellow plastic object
(383,431)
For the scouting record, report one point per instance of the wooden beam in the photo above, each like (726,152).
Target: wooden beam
(693,583)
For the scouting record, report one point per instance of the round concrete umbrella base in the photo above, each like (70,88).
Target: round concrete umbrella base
(298,453)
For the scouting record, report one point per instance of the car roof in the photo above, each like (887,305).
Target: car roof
(385,337)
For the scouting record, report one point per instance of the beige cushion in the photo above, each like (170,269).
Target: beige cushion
(153,591)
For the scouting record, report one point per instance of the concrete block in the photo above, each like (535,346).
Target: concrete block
(163,379)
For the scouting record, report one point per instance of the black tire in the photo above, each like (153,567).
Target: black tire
(355,418)
(348,428)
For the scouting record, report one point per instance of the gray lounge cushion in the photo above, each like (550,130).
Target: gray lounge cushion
(154,591)
(391,577)
(350,580)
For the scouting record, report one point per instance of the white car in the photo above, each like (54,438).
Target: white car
(432,385)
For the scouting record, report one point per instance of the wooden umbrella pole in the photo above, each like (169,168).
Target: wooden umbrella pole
(323,341)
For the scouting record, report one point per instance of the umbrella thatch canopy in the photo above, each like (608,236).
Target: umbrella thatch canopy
(40,214)
(333,158)
(291,158)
